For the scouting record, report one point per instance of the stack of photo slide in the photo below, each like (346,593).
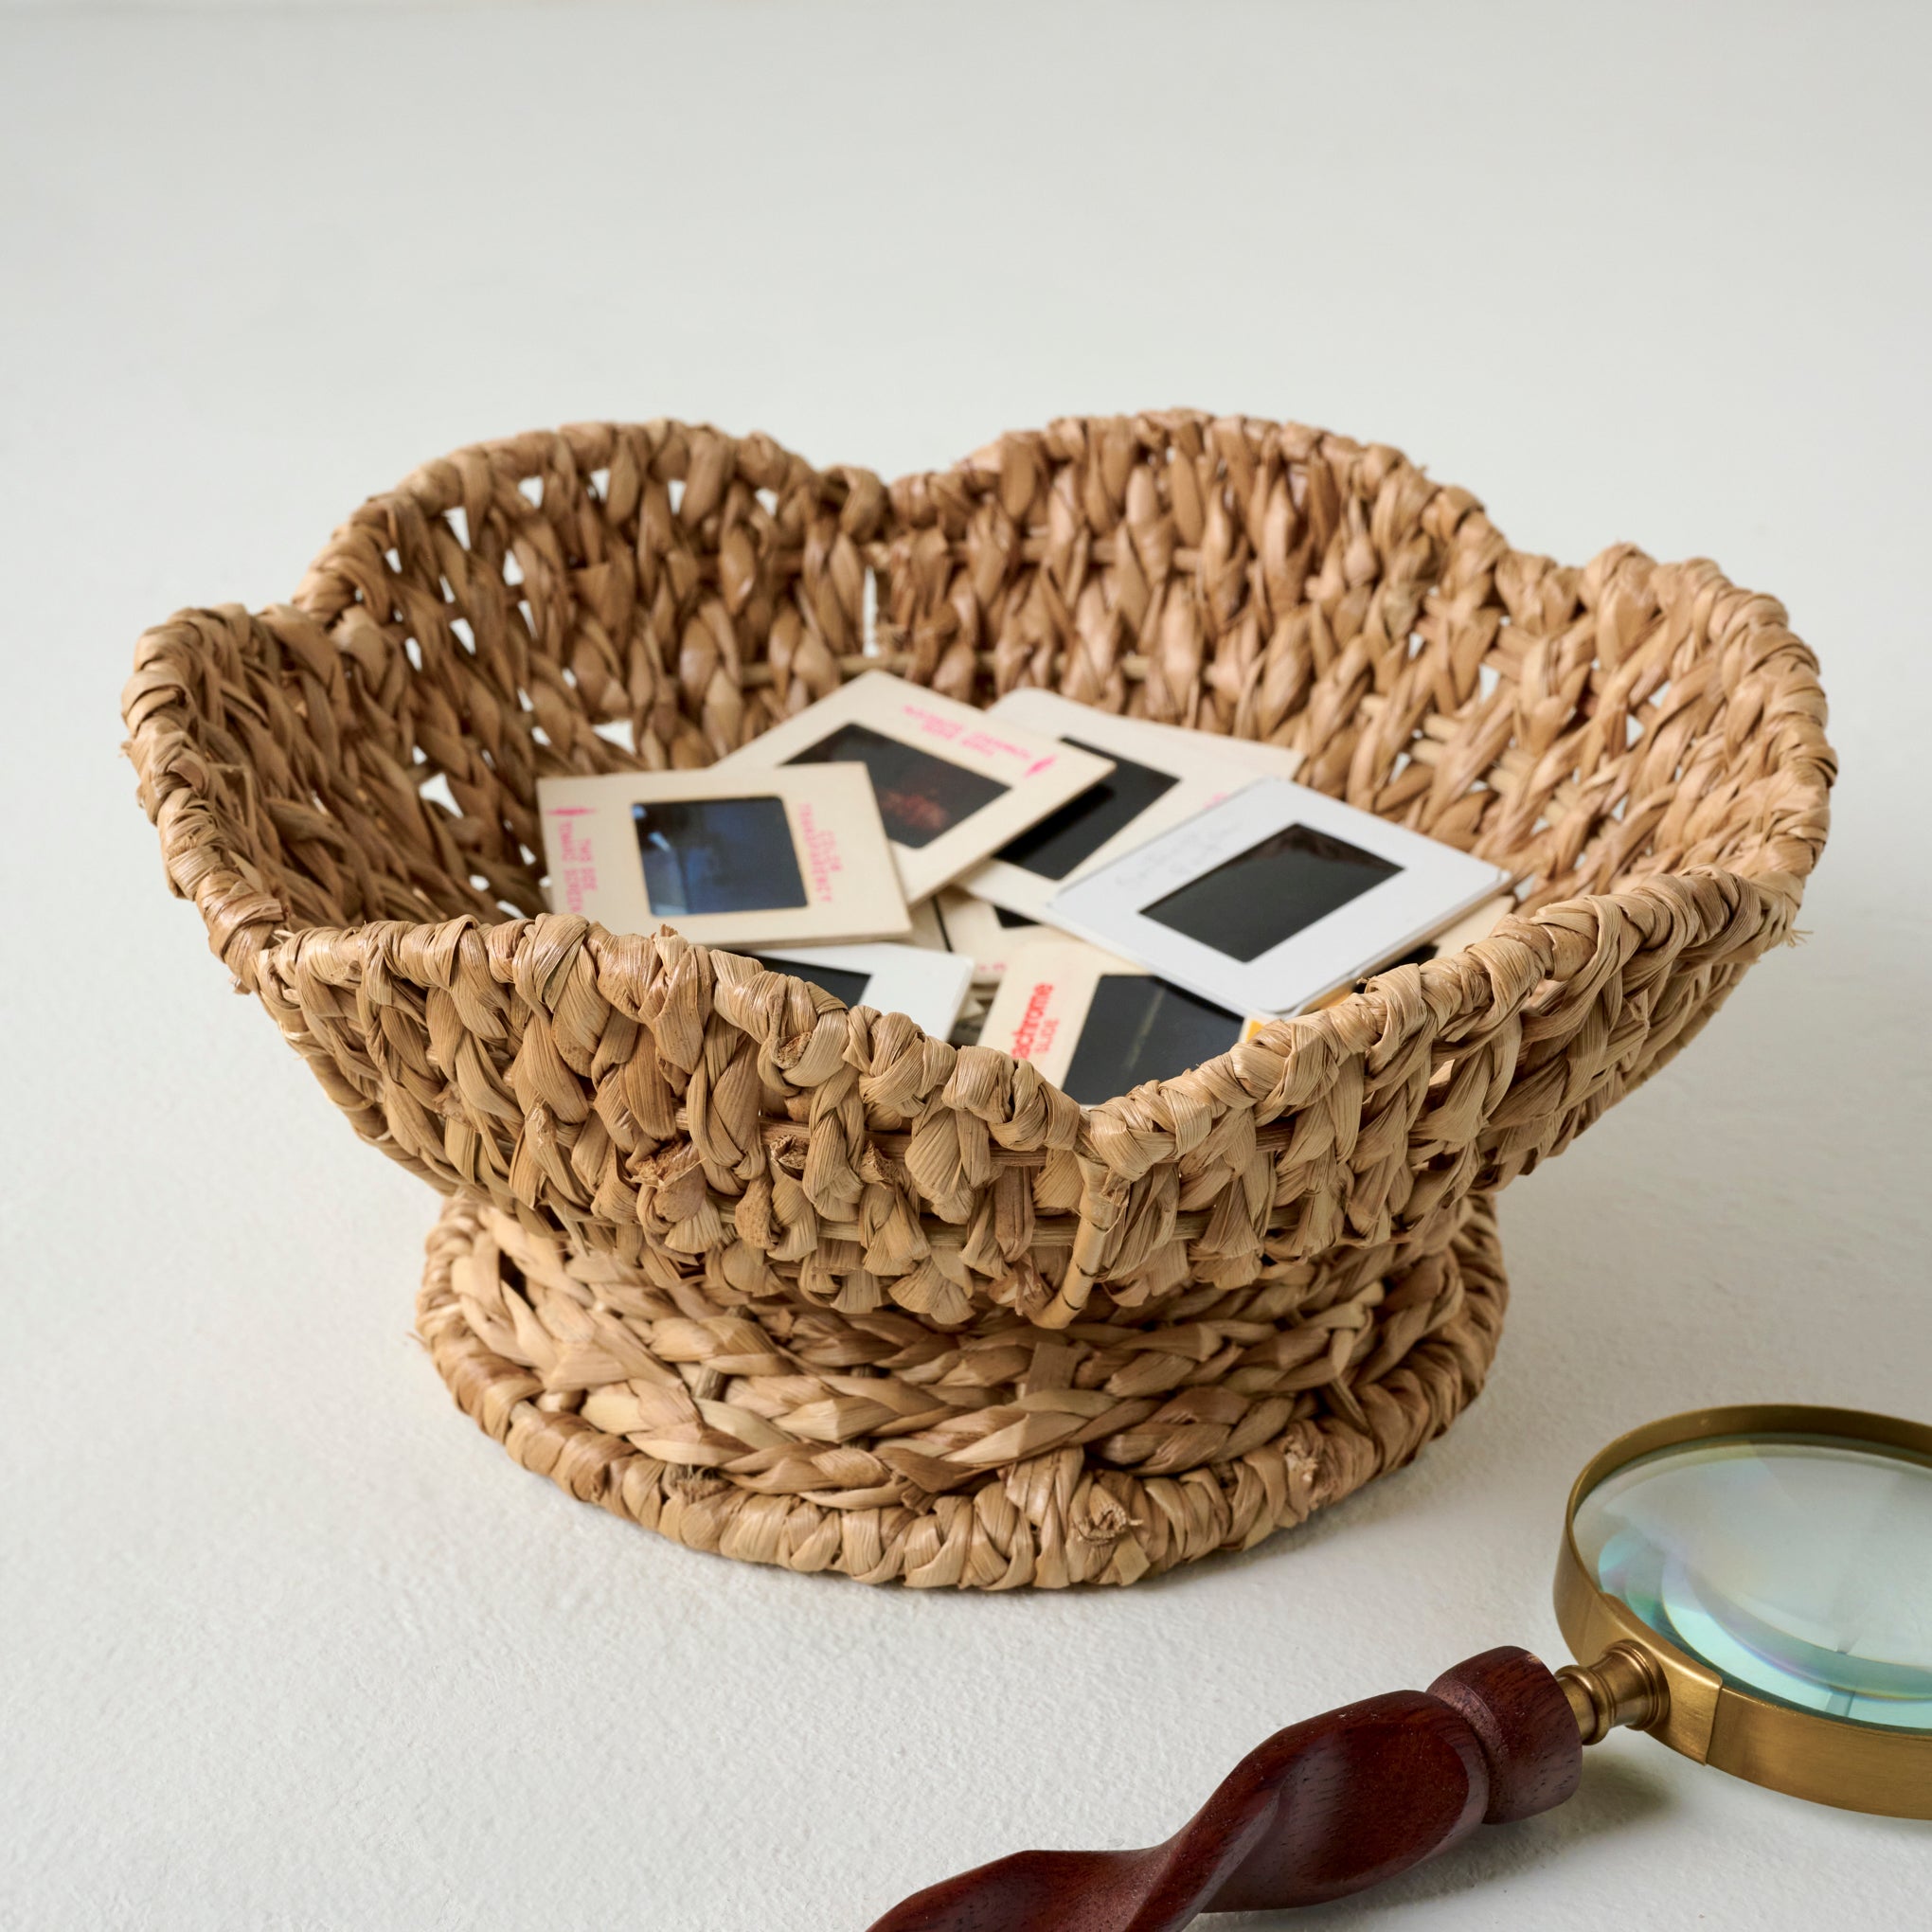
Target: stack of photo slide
(1113,900)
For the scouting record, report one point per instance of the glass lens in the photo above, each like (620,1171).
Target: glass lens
(1798,1566)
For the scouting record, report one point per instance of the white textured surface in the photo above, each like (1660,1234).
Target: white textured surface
(287,1641)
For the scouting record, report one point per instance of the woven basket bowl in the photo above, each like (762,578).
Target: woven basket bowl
(806,1286)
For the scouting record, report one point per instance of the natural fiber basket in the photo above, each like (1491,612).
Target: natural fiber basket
(806,1286)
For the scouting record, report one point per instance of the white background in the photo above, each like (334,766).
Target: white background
(287,1643)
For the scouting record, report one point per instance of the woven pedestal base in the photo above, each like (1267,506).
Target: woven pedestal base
(1001,1456)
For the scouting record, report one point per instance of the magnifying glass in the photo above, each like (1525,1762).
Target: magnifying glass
(1755,1587)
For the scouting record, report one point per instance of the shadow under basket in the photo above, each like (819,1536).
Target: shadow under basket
(805,1286)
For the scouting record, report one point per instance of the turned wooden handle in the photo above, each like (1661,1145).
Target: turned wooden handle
(1322,1808)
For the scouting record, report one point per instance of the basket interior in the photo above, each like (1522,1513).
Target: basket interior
(605,598)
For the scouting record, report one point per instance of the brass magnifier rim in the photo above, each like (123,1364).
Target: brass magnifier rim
(1857,1767)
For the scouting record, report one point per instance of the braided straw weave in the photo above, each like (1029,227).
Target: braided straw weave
(806,1286)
